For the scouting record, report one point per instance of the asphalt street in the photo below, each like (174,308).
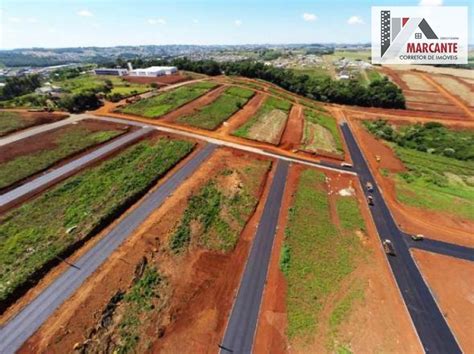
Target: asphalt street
(444,248)
(55,175)
(32,316)
(433,331)
(240,330)
(38,129)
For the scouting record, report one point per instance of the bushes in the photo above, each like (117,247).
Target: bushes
(79,102)
(431,137)
(20,85)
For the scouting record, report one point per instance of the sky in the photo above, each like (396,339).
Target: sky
(74,23)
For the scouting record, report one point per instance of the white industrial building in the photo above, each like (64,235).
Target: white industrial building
(154,71)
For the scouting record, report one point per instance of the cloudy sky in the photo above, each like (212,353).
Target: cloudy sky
(72,23)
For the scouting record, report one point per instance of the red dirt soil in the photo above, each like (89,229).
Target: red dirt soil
(386,328)
(202,288)
(45,141)
(451,281)
(203,312)
(412,220)
(243,115)
(56,271)
(293,132)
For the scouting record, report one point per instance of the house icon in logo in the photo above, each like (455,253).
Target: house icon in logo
(397,30)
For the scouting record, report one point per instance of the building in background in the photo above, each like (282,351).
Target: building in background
(154,71)
(114,72)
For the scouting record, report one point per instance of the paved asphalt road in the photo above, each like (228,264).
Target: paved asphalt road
(38,129)
(242,323)
(30,318)
(445,248)
(55,175)
(432,329)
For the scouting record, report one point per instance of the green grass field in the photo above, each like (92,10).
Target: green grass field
(38,231)
(168,101)
(10,122)
(436,183)
(218,215)
(214,114)
(97,82)
(281,94)
(270,104)
(71,141)
(317,255)
(329,123)
(440,164)
(314,72)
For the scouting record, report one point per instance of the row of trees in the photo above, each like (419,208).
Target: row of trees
(20,85)
(379,93)
(431,137)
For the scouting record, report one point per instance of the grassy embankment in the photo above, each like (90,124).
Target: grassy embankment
(267,116)
(72,140)
(168,101)
(321,133)
(217,112)
(317,256)
(36,233)
(440,165)
(10,122)
(216,214)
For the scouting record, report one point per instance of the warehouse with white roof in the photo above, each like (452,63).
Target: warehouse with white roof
(154,71)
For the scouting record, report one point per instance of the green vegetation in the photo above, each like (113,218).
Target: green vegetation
(315,72)
(320,254)
(349,214)
(138,301)
(327,122)
(216,214)
(432,138)
(10,122)
(269,105)
(379,93)
(213,114)
(115,87)
(71,141)
(20,85)
(281,94)
(440,165)
(30,100)
(373,75)
(168,101)
(38,231)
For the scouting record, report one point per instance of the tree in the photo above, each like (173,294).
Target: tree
(20,85)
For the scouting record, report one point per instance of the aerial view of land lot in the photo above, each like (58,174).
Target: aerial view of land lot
(234,198)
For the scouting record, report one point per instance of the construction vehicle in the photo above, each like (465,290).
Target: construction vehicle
(417,237)
(369,186)
(388,247)
(370,200)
